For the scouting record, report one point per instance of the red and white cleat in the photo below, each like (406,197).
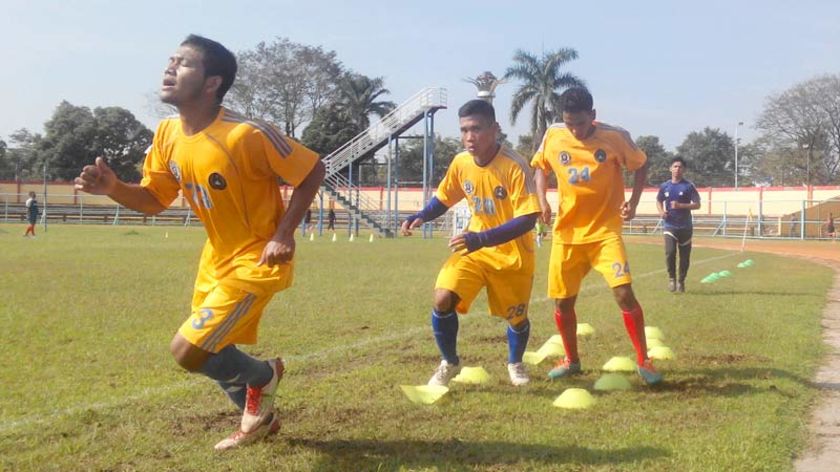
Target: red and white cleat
(240,438)
(259,401)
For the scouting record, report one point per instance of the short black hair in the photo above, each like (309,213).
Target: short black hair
(217,60)
(678,159)
(478,107)
(575,100)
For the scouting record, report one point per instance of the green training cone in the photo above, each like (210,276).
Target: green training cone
(609,382)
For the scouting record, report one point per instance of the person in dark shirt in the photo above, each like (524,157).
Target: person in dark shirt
(31,214)
(676,198)
(331,220)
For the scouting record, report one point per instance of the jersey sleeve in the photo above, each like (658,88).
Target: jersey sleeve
(660,197)
(286,158)
(632,157)
(695,195)
(523,192)
(539,161)
(157,178)
(450,191)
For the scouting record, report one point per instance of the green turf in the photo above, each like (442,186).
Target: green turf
(88,383)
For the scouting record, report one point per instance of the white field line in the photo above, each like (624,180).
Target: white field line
(164,390)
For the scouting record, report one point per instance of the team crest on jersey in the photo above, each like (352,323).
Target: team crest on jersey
(667,194)
(600,155)
(468,187)
(565,158)
(176,172)
(216,181)
(500,192)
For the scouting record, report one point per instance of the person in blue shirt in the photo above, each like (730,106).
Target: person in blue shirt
(676,198)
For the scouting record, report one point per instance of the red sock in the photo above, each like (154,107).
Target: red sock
(634,321)
(567,325)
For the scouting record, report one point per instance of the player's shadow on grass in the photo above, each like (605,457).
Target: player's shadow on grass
(365,454)
(729,381)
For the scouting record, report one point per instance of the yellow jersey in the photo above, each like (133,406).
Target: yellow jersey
(229,174)
(590,183)
(496,193)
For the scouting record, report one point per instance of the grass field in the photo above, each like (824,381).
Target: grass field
(88,383)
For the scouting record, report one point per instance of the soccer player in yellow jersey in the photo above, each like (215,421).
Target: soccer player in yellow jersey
(496,251)
(227,168)
(587,157)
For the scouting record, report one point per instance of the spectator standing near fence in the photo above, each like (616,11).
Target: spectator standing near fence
(675,200)
(32,213)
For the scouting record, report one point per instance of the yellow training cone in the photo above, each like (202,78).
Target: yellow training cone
(370,239)
(585,329)
(576,398)
(335,237)
(653,342)
(533,358)
(652,332)
(609,382)
(312,236)
(663,353)
(424,394)
(352,237)
(551,350)
(472,375)
(620,364)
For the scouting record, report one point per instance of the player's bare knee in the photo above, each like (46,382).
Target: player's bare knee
(445,301)
(565,304)
(184,354)
(625,297)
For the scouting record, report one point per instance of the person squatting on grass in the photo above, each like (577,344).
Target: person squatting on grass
(675,200)
(31,214)
(496,251)
(587,158)
(226,166)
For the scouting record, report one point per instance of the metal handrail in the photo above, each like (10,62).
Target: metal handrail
(363,142)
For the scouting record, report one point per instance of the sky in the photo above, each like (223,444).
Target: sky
(655,67)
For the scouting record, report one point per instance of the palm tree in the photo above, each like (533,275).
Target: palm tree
(543,81)
(357,98)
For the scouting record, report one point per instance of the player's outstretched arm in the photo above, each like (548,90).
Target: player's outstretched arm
(281,248)
(99,179)
(432,210)
(469,242)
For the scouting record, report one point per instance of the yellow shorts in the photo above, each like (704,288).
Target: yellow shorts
(223,316)
(571,262)
(508,292)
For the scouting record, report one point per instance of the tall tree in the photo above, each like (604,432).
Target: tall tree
(122,140)
(805,120)
(659,160)
(23,154)
(284,82)
(710,156)
(360,96)
(75,136)
(411,159)
(329,130)
(543,79)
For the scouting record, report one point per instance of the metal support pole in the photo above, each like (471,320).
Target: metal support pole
(802,221)
(397,184)
(44,212)
(321,212)
(388,186)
